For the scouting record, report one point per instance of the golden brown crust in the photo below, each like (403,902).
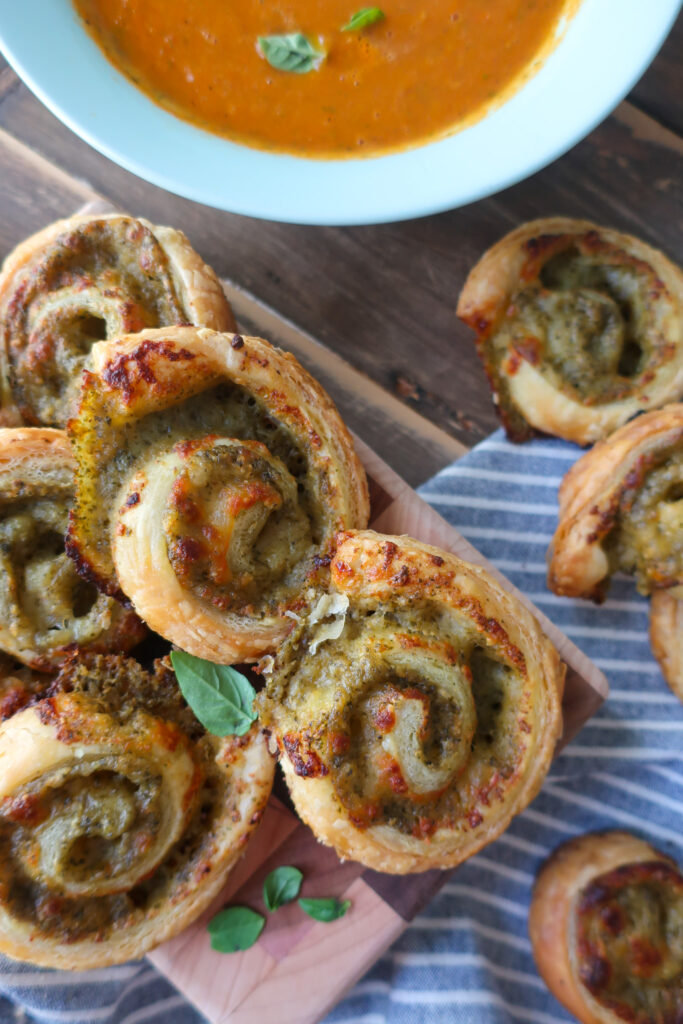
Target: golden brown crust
(199,288)
(168,535)
(597,497)
(199,299)
(210,795)
(416,632)
(562,880)
(19,686)
(666,637)
(561,355)
(46,612)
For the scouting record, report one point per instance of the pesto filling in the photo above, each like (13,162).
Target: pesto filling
(234,527)
(44,603)
(415,721)
(88,829)
(648,541)
(101,280)
(585,323)
(288,540)
(93,825)
(630,933)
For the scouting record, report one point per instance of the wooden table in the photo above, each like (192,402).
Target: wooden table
(382,297)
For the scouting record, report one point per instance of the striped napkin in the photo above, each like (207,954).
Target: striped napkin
(467,958)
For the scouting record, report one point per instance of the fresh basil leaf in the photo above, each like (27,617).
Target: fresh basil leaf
(291,52)
(281,886)
(362,18)
(220,696)
(325,910)
(235,929)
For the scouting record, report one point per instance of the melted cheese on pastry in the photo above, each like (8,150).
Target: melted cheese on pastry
(213,474)
(120,817)
(424,716)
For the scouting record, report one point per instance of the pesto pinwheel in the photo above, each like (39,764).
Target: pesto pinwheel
(120,817)
(621,509)
(416,706)
(213,474)
(606,926)
(46,609)
(84,279)
(579,328)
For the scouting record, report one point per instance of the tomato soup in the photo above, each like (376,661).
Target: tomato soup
(326,78)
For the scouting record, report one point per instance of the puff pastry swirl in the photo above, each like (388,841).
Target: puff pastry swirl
(579,328)
(416,707)
(213,473)
(46,609)
(120,817)
(84,279)
(606,927)
(621,508)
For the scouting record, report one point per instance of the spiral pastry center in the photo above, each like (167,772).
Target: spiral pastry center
(587,319)
(410,734)
(103,279)
(630,941)
(90,808)
(95,828)
(417,728)
(233,523)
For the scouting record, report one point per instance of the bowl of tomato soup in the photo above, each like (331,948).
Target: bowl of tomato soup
(327,111)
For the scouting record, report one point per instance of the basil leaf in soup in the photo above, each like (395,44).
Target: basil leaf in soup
(220,696)
(291,52)
(362,18)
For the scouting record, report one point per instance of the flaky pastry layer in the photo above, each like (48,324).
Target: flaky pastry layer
(238,473)
(666,637)
(86,278)
(120,818)
(583,923)
(46,610)
(416,706)
(579,328)
(621,508)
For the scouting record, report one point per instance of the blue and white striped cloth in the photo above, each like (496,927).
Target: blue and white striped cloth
(467,958)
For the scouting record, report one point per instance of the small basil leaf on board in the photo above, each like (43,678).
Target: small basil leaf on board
(362,18)
(220,696)
(291,52)
(325,910)
(235,929)
(281,886)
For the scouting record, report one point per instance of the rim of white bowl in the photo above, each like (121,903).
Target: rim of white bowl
(593,67)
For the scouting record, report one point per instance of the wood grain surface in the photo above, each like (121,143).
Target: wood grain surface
(404,372)
(383,297)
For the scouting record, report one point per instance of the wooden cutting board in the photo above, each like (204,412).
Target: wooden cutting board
(299,968)
(630,156)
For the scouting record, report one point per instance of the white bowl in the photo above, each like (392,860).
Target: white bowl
(605,49)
